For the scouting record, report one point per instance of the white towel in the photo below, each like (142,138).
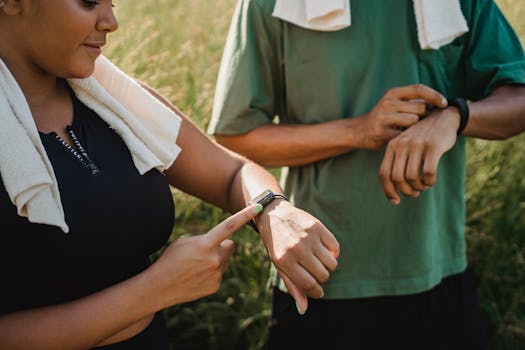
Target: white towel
(323,15)
(438,21)
(148,128)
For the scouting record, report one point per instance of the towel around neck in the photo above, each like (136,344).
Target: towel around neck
(438,21)
(148,128)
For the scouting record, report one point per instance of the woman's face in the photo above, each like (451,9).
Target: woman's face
(64,37)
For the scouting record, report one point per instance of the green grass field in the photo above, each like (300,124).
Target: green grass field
(175,46)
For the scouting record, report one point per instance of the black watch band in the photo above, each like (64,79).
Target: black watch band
(464,112)
(267,197)
(264,199)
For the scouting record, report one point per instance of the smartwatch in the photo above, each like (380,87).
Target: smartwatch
(464,113)
(265,198)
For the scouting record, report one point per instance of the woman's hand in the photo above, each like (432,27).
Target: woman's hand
(302,249)
(192,267)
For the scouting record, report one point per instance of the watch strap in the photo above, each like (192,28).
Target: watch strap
(464,112)
(265,198)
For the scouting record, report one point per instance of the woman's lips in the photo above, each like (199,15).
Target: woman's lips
(93,49)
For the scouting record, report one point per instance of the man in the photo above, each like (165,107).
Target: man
(365,115)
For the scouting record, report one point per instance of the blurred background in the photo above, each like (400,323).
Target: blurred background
(175,46)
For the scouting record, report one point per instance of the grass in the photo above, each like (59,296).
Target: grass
(175,46)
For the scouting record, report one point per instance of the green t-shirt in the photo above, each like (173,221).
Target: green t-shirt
(274,68)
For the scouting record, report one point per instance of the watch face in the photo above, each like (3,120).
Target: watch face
(264,198)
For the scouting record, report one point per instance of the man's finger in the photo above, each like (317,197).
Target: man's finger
(405,120)
(226,228)
(413,170)
(419,91)
(418,106)
(430,166)
(385,173)
(398,173)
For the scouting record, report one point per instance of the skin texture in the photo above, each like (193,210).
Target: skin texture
(44,42)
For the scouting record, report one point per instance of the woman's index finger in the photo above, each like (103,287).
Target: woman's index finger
(227,227)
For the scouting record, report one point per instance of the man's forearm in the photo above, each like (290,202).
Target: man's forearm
(499,116)
(294,145)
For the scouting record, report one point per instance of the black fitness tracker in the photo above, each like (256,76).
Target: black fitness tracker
(265,198)
(464,112)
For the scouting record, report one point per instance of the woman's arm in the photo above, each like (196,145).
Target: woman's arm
(82,323)
(190,268)
(210,172)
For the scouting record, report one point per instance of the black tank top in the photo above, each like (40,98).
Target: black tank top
(117,219)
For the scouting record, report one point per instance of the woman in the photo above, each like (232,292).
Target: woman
(108,189)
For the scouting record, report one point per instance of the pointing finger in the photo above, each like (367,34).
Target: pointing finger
(226,228)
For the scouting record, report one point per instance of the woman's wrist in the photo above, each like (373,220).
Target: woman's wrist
(275,204)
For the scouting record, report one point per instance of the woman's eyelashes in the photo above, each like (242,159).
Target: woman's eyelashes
(93,3)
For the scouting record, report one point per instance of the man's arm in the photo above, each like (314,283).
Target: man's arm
(499,116)
(295,145)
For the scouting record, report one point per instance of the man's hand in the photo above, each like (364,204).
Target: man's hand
(398,109)
(411,159)
(301,248)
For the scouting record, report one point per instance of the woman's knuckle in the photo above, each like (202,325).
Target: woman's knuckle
(214,262)
(324,277)
(310,285)
(282,260)
(229,225)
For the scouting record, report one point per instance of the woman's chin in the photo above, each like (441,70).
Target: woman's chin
(83,73)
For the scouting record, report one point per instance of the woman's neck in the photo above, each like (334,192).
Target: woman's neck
(47,95)
(38,87)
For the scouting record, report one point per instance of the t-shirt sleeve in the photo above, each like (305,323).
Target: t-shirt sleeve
(249,85)
(494,54)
